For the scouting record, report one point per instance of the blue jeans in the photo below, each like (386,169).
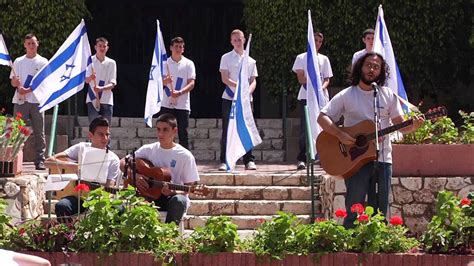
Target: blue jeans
(106,111)
(175,206)
(362,183)
(68,206)
(182,117)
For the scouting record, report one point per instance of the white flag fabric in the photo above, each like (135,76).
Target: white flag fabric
(314,91)
(242,133)
(154,94)
(5,58)
(66,71)
(383,46)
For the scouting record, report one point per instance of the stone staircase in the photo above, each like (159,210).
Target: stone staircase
(204,137)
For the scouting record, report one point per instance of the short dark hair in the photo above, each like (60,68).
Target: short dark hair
(31,36)
(98,122)
(320,34)
(356,72)
(101,39)
(168,118)
(177,40)
(367,32)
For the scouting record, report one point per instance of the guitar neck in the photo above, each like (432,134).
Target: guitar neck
(390,129)
(93,186)
(173,186)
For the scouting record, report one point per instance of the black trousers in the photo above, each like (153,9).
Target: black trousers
(226,105)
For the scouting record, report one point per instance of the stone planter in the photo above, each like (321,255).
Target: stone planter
(12,168)
(244,259)
(433,160)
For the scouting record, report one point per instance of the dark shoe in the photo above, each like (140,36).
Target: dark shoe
(40,166)
(301,165)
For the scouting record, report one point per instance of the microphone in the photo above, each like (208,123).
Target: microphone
(375,86)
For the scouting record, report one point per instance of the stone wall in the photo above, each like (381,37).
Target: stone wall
(412,198)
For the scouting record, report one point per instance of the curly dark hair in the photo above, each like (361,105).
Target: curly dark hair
(356,72)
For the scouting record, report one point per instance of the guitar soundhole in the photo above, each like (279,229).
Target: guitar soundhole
(361,141)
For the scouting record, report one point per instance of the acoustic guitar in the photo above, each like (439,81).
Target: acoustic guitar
(157,177)
(341,160)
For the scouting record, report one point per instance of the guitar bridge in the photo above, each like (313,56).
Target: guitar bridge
(342,149)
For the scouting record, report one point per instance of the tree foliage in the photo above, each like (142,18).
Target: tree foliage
(431,41)
(51,21)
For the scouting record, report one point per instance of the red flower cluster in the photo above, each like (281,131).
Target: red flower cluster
(396,220)
(261,221)
(466,202)
(24,130)
(341,213)
(19,116)
(357,208)
(82,187)
(22,231)
(363,218)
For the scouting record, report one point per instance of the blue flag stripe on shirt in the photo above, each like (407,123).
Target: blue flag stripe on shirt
(58,61)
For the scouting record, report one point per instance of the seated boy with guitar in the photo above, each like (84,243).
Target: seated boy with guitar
(173,196)
(99,135)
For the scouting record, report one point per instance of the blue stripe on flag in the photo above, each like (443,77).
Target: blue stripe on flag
(229,92)
(58,62)
(381,31)
(242,130)
(158,55)
(91,93)
(312,72)
(28,81)
(167,91)
(73,83)
(101,83)
(5,57)
(179,84)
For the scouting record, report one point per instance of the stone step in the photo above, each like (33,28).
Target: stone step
(248,207)
(193,122)
(243,222)
(296,178)
(258,193)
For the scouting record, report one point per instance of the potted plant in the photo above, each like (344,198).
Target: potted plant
(437,149)
(13,133)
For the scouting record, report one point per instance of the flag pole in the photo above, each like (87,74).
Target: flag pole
(52,139)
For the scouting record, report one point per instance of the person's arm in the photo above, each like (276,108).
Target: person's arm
(189,87)
(25,259)
(330,127)
(226,79)
(301,77)
(417,122)
(253,84)
(61,160)
(326,83)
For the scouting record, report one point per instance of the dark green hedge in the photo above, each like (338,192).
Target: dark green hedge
(51,21)
(431,40)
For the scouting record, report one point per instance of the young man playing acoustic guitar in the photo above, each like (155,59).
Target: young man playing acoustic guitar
(355,103)
(99,135)
(179,161)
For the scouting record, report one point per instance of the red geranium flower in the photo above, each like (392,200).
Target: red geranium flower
(260,221)
(18,116)
(357,208)
(82,187)
(466,202)
(341,213)
(363,218)
(25,131)
(396,220)
(22,231)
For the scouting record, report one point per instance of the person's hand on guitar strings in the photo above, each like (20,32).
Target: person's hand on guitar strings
(165,190)
(345,138)
(142,184)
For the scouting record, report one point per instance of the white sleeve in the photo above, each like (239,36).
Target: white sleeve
(326,72)
(114,169)
(298,64)
(335,108)
(113,73)
(144,152)
(73,151)
(254,69)
(192,70)
(223,64)
(190,170)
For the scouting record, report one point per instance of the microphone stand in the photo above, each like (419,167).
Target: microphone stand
(134,170)
(374,184)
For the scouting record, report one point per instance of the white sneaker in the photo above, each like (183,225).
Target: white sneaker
(301,165)
(222,167)
(250,166)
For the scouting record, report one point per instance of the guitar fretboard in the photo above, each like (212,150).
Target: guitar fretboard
(390,129)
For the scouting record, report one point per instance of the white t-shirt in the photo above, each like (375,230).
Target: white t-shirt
(114,165)
(356,105)
(106,73)
(358,55)
(181,72)
(324,69)
(26,68)
(231,62)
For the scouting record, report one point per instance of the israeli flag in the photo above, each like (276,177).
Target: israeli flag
(242,133)
(66,71)
(314,91)
(5,58)
(383,46)
(154,94)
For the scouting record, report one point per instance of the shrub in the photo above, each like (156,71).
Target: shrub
(218,235)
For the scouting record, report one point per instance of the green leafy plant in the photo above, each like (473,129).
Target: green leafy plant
(323,236)
(276,237)
(451,229)
(218,235)
(372,235)
(467,133)
(124,223)
(444,131)
(5,227)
